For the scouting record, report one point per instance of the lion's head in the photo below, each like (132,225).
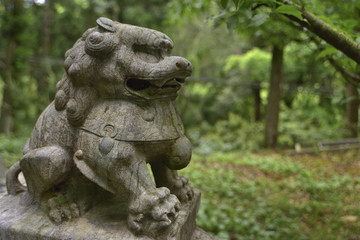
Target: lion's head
(118,61)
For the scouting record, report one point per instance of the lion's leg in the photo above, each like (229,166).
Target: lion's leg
(178,185)
(122,169)
(179,154)
(165,173)
(150,209)
(45,167)
(128,174)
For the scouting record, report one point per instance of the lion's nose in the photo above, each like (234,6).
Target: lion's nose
(184,64)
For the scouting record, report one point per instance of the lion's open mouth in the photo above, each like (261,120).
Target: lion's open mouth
(153,88)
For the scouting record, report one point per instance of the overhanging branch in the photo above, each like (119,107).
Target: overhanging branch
(350,77)
(326,32)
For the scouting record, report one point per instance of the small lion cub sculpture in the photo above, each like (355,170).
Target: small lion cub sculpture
(113,113)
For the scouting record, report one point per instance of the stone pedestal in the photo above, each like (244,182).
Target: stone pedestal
(2,176)
(19,220)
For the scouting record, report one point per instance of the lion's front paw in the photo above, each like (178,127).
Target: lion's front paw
(152,212)
(182,189)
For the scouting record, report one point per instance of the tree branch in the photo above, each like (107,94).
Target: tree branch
(326,32)
(350,77)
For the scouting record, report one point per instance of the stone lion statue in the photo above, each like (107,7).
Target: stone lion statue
(112,115)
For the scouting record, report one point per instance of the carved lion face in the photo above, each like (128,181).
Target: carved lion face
(125,61)
(118,61)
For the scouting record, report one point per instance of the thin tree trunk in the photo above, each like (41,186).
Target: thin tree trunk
(46,22)
(6,118)
(273,103)
(352,111)
(43,79)
(255,87)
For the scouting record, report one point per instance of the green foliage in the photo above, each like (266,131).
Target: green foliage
(304,123)
(259,19)
(249,196)
(11,148)
(289,10)
(252,66)
(234,133)
(326,52)
(307,123)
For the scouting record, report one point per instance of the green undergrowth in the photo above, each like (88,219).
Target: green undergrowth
(271,196)
(11,148)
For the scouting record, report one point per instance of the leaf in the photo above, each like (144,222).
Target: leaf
(259,19)
(236,3)
(326,52)
(232,22)
(224,3)
(290,10)
(349,99)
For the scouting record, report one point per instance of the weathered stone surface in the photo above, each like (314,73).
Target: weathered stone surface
(200,234)
(2,169)
(2,176)
(19,220)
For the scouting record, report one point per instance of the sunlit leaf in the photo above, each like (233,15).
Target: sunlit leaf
(290,10)
(259,19)
(326,52)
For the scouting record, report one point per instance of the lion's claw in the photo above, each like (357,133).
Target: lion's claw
(183,189)
(151,212)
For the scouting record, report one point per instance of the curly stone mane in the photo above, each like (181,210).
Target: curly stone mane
(74,92)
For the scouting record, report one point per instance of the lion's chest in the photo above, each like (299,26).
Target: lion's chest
(125,121)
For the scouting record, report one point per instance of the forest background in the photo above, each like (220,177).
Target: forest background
(268,74)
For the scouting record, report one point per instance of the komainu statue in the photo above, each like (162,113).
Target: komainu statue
(113,114)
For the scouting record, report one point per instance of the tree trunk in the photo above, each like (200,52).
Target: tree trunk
(273,101)
(46,30)
(43,78)
(352,112)
(255,88)
(6,118)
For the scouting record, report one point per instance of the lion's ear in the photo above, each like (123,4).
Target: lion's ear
(106,24)
(102,42)
(99,44)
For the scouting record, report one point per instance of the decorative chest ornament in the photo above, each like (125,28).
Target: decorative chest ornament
(112,115)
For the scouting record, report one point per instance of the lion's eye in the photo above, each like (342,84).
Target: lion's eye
(151,55)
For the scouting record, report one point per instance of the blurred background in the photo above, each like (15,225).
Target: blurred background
(269,104)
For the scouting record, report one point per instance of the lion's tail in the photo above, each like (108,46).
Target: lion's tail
(13,185)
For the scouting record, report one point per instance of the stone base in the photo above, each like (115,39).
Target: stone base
(2,176)
(19,221)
